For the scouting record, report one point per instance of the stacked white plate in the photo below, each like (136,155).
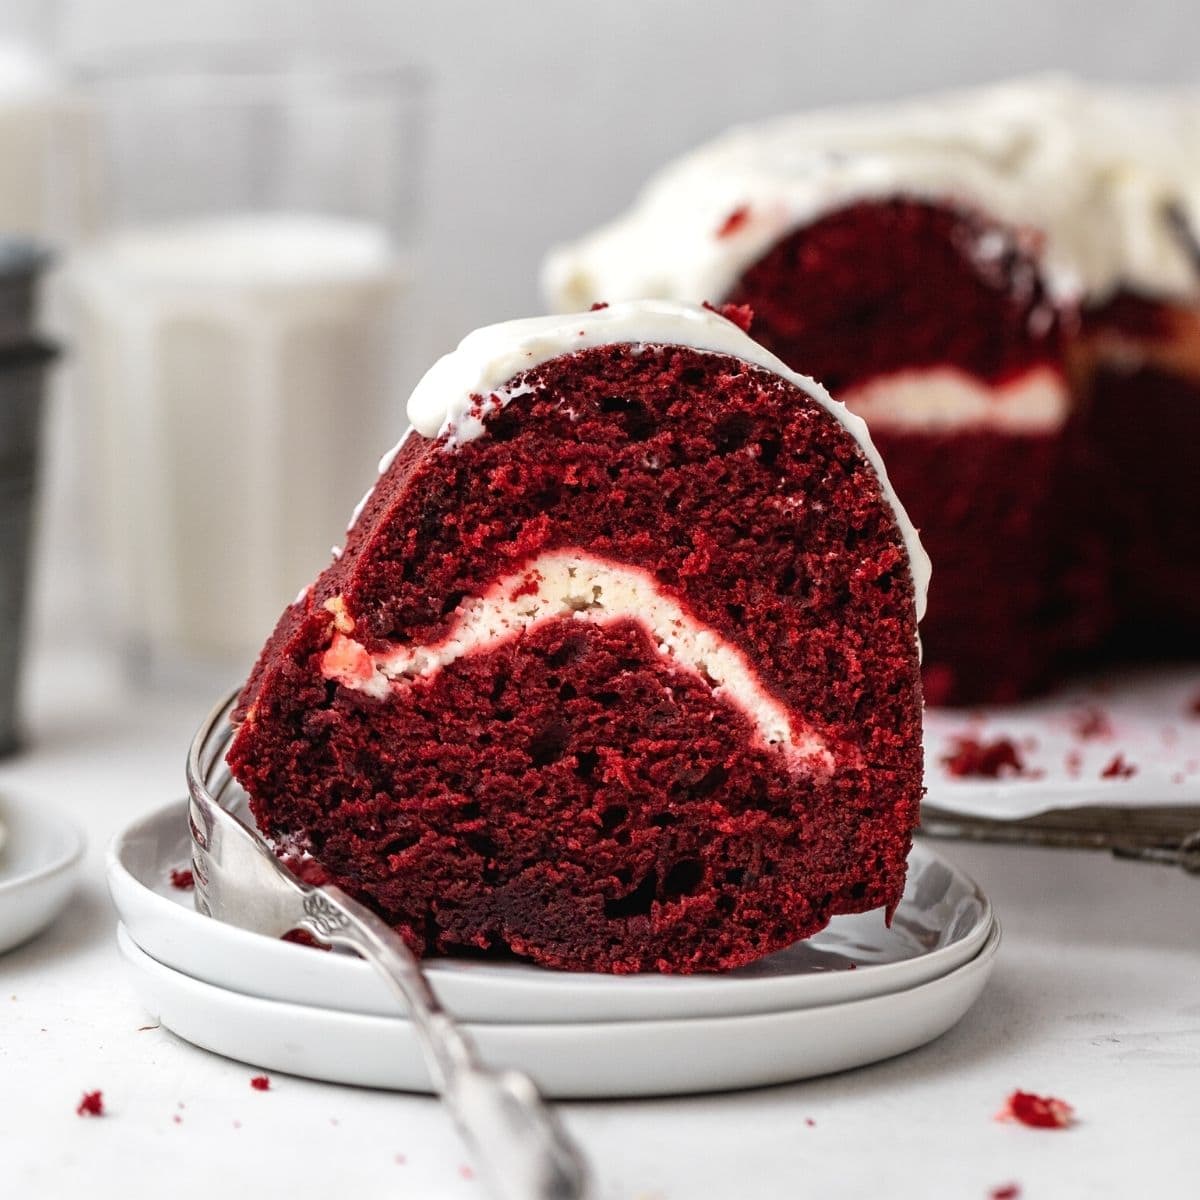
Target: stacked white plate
(856,993)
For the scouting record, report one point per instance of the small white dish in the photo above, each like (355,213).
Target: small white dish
(39,864)
(591,1060)
(940,924)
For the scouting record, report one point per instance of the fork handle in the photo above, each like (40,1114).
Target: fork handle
(520,1148)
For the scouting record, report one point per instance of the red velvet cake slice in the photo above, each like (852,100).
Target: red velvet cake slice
(618,669)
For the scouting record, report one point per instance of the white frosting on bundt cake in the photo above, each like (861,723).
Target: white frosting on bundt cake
(1110,177)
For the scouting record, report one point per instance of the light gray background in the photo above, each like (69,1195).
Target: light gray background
(549,113)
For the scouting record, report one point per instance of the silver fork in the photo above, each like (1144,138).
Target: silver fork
(519,1146)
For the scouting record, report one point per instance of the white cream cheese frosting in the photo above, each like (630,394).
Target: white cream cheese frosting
(936,400)
(571,583)
(1095,170)
(442,404)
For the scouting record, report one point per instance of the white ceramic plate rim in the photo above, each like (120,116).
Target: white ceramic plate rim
(184,940)
(593,1060)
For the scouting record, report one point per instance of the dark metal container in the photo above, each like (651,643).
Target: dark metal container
(24,361)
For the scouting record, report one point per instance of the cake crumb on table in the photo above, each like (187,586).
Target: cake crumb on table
(92,1105)
(260,1083)
(183,879)
(1006,1191)
(1038,1112)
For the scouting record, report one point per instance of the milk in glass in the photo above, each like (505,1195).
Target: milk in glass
(240,369)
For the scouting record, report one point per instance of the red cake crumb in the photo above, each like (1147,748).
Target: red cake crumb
(809,1122)
(735,221)
(1118,768)
(260,1083)
(465,1172)
(301,937)
(183,879)
(1039,1112)
(600,304)
(92,1105)
(1092,723)
(741,315)
(177,1118)
(1006,1191)
(973,758)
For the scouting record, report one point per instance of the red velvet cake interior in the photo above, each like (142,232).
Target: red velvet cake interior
(1140,363)
(932,322)
(626,682)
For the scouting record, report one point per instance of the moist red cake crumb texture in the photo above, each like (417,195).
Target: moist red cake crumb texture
(881,287)
(92,1105)
(183,879)
(1006,1191)
(260,1083)
(573,795)
(1039,1112)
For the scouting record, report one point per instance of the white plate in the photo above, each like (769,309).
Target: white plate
(1146,716)
(594,1060)
(38,866)
(941,923)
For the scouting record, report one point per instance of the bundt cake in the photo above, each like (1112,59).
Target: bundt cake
(1005,284)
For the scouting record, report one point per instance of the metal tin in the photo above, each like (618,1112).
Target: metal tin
(22,388)
(22,262)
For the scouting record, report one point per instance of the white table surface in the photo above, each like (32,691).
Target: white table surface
(1096,999)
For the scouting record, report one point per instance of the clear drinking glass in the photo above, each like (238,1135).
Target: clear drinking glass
(240,327)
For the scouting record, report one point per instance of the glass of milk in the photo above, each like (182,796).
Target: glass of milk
(240,335)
